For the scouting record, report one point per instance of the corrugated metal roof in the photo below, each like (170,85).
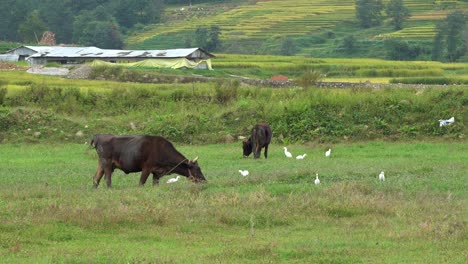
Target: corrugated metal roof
(93,52)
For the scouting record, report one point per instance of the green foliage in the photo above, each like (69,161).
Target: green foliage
(456,44)
(398,13)
(97,28)
(369,12)
(288,47)
(31,30)
(208,39)
(437,48)
(226,90)
(309,78)
(402,50)
(349,44)
(3,92)
(449,42)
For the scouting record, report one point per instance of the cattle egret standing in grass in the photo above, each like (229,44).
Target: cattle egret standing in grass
(301,156)
(327,154)
(382,176)
(287,153)
(172,180)
(317,181)
(244,172)
(446,122)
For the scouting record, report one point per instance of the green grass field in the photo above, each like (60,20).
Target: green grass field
(49,212)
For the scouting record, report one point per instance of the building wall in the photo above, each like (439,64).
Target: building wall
(9,57)
(22,52)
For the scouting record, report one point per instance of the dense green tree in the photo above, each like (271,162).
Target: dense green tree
(201,37)
(456,45)
(288,47)
(450,42)
(437,48)
(397,49)
(208,39)
(12,14)
(349,44)
(97,28)
(369,12)
(397,12)
(129,13)
(31,30)
(214,41)
(58,16)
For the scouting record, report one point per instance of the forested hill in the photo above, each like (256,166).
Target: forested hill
(392,29)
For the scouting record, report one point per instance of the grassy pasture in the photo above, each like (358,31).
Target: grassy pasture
(50,213)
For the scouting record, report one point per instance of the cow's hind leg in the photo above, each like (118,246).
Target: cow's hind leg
(144,176)
(98,175)
(108,169)
(266,151)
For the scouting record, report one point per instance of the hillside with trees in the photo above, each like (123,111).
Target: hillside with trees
(386,29)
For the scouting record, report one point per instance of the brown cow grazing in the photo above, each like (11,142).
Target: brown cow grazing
(260,138)
(148,154)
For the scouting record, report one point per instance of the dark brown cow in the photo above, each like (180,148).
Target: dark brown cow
(148,154)
(260,138)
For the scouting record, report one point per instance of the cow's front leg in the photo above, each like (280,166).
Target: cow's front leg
(156,178)
(98,175)
(254,149)
(257,151)
(144,176)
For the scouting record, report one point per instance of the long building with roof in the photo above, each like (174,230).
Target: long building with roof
(171,58)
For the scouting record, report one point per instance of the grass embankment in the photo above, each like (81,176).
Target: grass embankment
(50,109)
(50,213)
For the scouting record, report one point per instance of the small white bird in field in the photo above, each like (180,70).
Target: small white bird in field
(287,153)
(443,122)
(244,172)
(328,153)
(382,176)
(172,180)
(301,156)
(317,181)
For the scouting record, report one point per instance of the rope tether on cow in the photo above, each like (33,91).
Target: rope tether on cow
(167,173)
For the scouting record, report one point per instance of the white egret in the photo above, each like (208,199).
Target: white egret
(172,180)
(287,153)
(382,176)
(244,172)
(328,153)
(301,156)
(317,181)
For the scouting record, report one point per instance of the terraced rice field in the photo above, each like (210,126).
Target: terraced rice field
(266,19)
(424,32)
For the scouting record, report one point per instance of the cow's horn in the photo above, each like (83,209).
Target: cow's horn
(195,159)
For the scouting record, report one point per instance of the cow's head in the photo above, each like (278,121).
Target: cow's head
(247,147)
(195,173)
